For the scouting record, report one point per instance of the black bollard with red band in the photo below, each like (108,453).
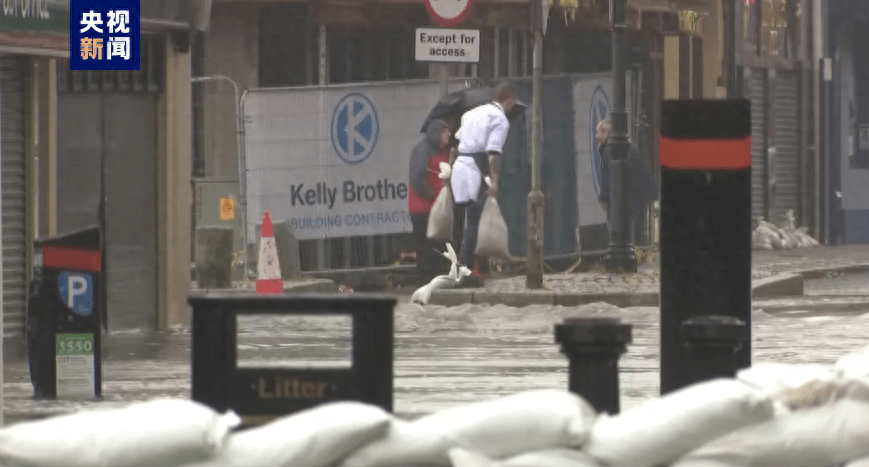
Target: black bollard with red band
(705,229)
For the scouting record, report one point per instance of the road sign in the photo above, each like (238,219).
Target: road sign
(354,128)
(77,292)
(448,45)
(449,12)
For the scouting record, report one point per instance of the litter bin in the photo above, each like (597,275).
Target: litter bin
(65,307)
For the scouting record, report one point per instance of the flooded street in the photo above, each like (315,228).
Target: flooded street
(443,356)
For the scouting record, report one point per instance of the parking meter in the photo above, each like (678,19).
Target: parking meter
(65,309)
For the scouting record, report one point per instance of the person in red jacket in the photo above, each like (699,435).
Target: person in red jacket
(424,188)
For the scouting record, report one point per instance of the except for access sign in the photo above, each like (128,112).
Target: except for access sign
(75,366)
(104,35)
(448,45)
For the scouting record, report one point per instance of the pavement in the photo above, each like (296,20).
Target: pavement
(775,274)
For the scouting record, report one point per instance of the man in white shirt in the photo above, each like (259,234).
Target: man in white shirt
(481,139)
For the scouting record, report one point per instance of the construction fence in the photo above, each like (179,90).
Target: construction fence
(332,162)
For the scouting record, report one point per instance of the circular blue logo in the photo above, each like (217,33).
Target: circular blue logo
(354,128)
(597,112)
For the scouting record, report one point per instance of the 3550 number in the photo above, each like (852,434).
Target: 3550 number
(78,346)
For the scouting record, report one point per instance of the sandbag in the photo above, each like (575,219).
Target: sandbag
(499,428)
(316,437)
(794,386)
(440,219)
(163,432)
(854,364)
(864,462)
(815,437)
(492,237)
(662,430)
(560,457)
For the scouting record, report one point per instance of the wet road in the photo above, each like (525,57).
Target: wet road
(444,356)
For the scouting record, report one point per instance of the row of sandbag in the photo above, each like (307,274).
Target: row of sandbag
(770,237)
(769,416)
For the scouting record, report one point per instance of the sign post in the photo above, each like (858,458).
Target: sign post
(447,46)
(447,13)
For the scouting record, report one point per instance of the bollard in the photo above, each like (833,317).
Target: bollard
(705,222)
(593,347)
(213,257)
(711,343)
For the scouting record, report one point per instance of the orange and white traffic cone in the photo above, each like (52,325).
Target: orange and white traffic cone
(268,278)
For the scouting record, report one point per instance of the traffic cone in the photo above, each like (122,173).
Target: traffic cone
(268,278)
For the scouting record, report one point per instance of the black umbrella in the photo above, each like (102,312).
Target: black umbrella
(457,103)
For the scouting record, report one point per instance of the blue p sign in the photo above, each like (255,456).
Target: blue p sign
(77,292)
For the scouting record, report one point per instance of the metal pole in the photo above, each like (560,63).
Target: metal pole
(621,255)
(534,265)
(818,59)
(730,34)
(242,171)
(444,81)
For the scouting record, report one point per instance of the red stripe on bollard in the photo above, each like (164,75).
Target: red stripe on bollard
(705,154)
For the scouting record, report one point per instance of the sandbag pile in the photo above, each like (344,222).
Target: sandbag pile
(770,415)
(769,237)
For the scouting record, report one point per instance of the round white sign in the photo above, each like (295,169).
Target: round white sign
(449,12)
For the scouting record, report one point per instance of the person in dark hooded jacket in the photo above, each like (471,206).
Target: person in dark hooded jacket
(642,186)
(424,188)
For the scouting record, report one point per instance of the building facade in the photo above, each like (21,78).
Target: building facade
(845,101)
(677,50)
(65,131)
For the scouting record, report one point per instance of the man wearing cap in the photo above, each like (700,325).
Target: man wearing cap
(481,138)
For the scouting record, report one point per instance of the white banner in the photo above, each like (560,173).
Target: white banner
(334,161)
(592,102)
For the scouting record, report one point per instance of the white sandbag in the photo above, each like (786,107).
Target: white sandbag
(854,364)
(440,219)
(560,457)
(163,432)
(795,386)
(662,430)
(492,236)
(316,437)
(815,437)
(864,462)
(498,428)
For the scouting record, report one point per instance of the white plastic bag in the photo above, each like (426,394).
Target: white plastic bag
(815,437)
(492,236)
(440,219)
(795,386)
(316,437)
(163,432)
(662,430)
(499,428)
(560,457)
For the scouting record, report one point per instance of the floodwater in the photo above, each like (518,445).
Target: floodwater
(443,356)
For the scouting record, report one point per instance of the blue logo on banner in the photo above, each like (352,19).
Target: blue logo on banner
(597,112)
(104,35)
(77,292)
(354,128)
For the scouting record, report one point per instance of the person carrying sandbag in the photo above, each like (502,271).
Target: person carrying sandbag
(481,137)
(425,185)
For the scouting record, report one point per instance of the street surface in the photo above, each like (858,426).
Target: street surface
(447,356)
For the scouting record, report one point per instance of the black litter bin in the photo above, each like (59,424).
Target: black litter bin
(65,310)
